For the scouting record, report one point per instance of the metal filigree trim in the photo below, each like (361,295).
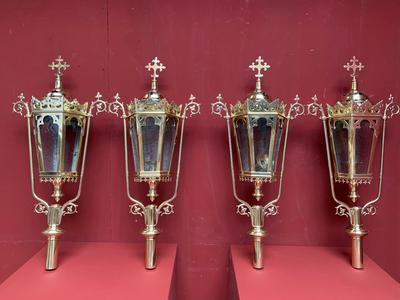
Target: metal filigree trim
(219,107)
(368,210)
(351,107)
(391,108)
(192,107)
(40,208)
(315,108)
(70,208)
(341,210)
(136,209)
(271,210)
(242,209)
(296,109)
(166,209)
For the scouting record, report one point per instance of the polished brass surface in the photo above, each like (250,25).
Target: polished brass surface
(61,112)
(155,107)
(258,106)
(354,109)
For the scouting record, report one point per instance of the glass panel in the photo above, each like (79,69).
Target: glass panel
(150,133)
(169,141)
(364,137)
(277,145)
(134,140)
(50,144)
(262,138)
(72,145)
(340,145)
(243,142)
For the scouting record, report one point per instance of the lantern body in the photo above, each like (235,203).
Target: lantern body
(59,126)
(153,126)
(258,125)
(354,131)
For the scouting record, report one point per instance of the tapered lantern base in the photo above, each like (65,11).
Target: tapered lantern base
(150,232)
(357,234)
(258,233)
(53,233)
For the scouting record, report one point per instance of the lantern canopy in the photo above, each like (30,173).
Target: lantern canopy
(153,125)
(258,124)
(354,126)
(59,126)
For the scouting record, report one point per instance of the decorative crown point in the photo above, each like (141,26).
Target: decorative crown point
(98,96)
(117,97)
(59,64)
(21,97)
(296,98)
(260,66)
(192,98)
(314,99)
(354,66)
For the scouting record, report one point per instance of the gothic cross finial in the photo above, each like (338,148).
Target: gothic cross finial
(155,66)
(354,66)
(59,64)
(260,66)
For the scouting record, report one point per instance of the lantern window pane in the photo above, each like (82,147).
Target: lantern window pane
(262,137)
(134,140)
(50,148)
(340,142)
(278,135)
(72,145)
(150,137)
(169,141)
(364,137)
(243,142)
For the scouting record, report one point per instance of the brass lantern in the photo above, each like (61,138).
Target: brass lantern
(259,126)
(153,125)
(352,130)
(61,132)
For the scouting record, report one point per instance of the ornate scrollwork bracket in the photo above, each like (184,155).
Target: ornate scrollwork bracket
(296,109)
(391,108)
(191,108)
(271,209)
(20,106)
(342,210)
(99,105)
(219,108)
(117,107)
(315,109)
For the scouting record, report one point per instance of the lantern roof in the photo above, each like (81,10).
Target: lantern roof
(258,101)
(55,100)
(354,103)
(154,101)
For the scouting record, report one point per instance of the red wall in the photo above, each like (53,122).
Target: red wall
(206,46)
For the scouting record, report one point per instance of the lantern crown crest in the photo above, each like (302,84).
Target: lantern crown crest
(258,103)
(351,108)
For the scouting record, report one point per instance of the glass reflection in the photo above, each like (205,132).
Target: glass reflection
(150,132)
(278,135)
(134,140)
(243,141)
(340,140)
(169,141)
(364,138)
(262,137)
(72,145)
(50,144)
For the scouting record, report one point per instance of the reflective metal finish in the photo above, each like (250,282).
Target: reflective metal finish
(153,125)
(61,132)
(351,129)
(259,124)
